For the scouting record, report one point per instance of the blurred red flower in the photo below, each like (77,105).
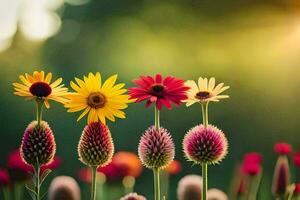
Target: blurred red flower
(123,164)
(15,162)
(19,169)
(282,148)
(85,175)
(251,169)
(296,159)
(252,157)
(4,177)
(297,189)
(174,167)
(53,165)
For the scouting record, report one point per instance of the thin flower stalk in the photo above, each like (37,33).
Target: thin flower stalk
(94,183)
(156,171)
(204,107)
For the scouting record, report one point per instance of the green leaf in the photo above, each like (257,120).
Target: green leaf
(44,195)
(31,192)
(44,175)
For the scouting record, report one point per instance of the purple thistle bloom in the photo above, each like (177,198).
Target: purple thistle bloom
(205,145)
(96,146)
(281,177)
(156,148)
(38,145)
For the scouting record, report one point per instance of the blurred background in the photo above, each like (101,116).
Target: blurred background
(252,46)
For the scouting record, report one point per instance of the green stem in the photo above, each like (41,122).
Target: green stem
(93,190)
(39,110)
(18,191)
(156,184)
(37,182)
(204,107)
(157,124)
(204,179)
(6,193)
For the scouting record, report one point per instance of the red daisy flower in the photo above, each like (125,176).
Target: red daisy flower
(157,90)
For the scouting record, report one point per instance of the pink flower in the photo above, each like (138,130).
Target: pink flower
(282,148)
(160,91)
(296,159)
(252,157)
(251,169)
(205,145)
(4,177)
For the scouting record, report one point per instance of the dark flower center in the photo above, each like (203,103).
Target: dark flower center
(157,89)
(202,95)
(96,100)
(40,89)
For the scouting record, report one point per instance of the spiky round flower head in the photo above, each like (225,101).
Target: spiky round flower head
(38,145)
(64,187)
(205,145)
(189,188)
(133,196)
(281,178)
(96,146)
(156,148)
(216,194)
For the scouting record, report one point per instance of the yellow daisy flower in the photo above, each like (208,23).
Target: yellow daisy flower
(39,86)
(205,91)
(99,101)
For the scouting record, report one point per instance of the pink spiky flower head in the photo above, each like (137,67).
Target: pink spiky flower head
(133,196)
(38,145)
(281,178)
(96,146)
(156,149)
(205,145)
(158,90)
